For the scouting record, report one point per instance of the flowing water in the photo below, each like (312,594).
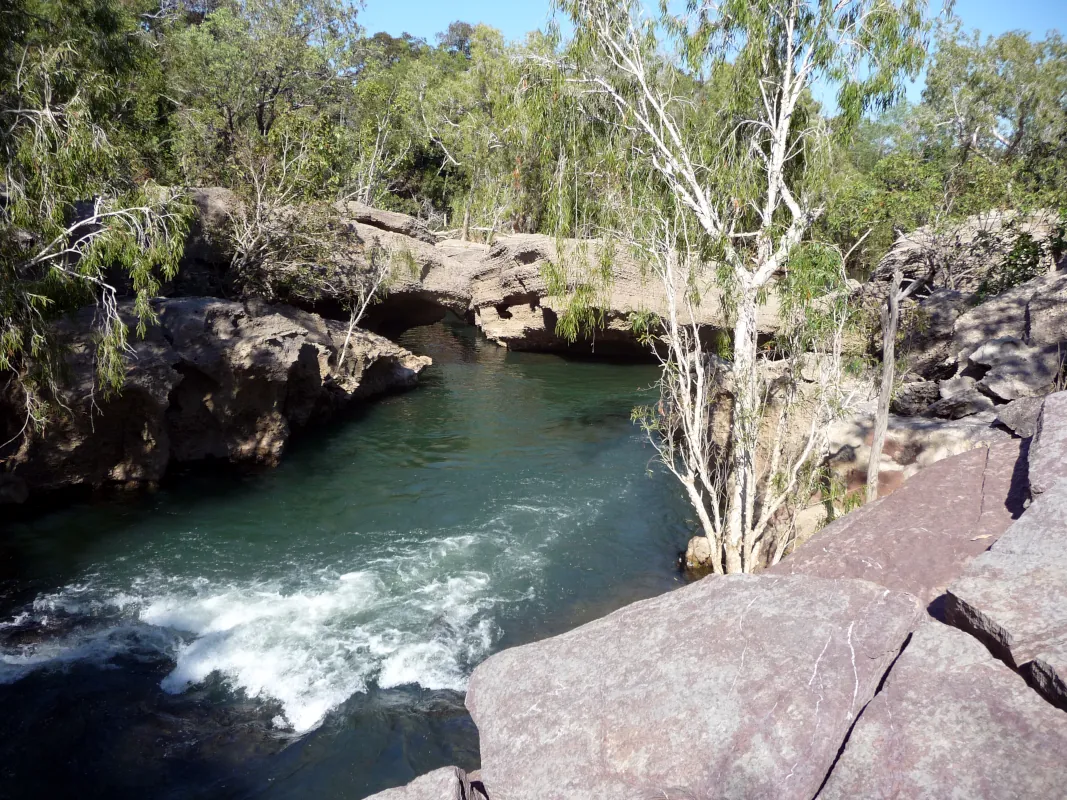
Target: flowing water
(309,631)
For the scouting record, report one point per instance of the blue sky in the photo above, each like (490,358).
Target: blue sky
(515,17)
(424,18)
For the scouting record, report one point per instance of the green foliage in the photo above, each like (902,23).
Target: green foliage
(79,222)
(1027,260)
(102,102)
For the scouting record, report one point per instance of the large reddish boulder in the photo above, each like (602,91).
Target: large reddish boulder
(733,687)
(920,538)
(952,721)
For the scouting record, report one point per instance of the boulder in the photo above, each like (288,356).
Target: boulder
(912,443)
(951,387)
(697,553)
(1014,597)
(390,221)
(447,783)
(213,379)
(952,721)
(1048,451)
(734,687)
(928,330)
(1009,315)
(962,404)
(920,538)
(1020,416)
(1015,369)
(1046,312)
(914,398)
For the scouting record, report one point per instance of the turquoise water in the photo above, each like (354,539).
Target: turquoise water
(309,632)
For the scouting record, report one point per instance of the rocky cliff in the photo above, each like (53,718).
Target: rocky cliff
(214,379)
(913,649)
(501,287)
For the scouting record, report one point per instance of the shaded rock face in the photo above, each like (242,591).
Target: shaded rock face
(921,538)
(1011,347)
(208,250)
(952,721)
(1048,452)
(214,379)
(739,686)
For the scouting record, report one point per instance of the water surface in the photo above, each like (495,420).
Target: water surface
(309,632)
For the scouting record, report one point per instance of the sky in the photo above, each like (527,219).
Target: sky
(424,18)
(515,18)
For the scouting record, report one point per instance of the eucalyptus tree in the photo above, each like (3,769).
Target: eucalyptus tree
(81,222)
(252,66)
(379,128)
(994,113)
(721,200)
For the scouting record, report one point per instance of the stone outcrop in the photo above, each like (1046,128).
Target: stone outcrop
(968,255)
(952,721)
(513,307)
(1048,452)
(1011,347)
(921,537)
(499,287)
(1014,597)
(425,282)
(971,345)
(912,444)
(214,379)
(742,686)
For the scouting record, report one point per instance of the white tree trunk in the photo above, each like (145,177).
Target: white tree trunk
(744,432)
(890,323)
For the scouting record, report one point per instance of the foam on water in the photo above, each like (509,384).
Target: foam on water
(413,612)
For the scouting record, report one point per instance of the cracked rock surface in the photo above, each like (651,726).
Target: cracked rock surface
(952,721)
(920,538)
(732,687)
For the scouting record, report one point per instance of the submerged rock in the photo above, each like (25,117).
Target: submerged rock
(214,379)
(732,687)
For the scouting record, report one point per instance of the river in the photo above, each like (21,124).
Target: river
(309,631)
